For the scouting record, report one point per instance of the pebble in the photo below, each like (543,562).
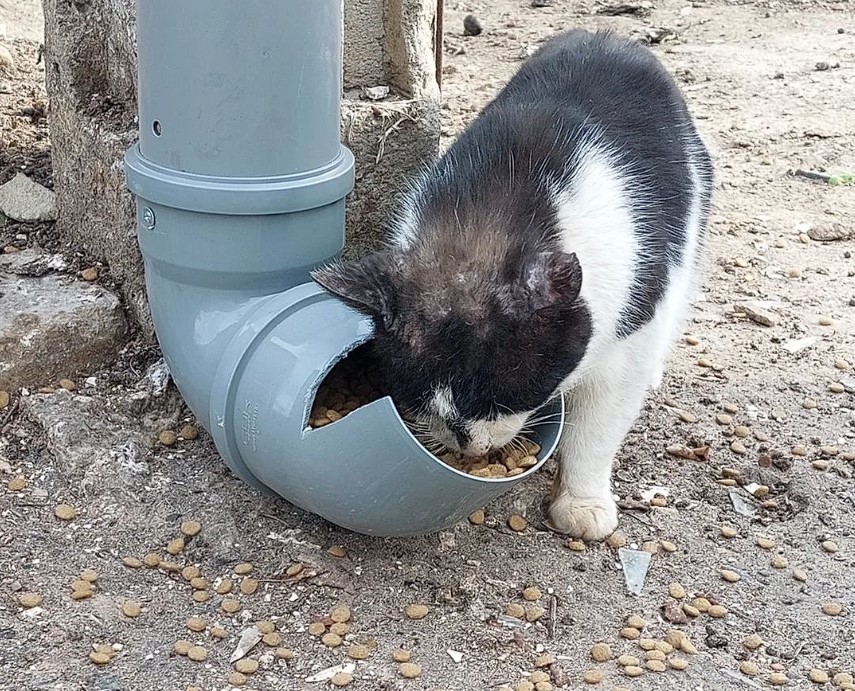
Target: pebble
(842,678)
(650,546)
(753,642)
(132,562)
(659,501)
(818,676)
(765,543)
(409,670)
(317,629)
(472,26)
(416,611)
(545,660)
(830,546)
(779,562)
(337,551)
(601,652)
(401,655)
(167,437)
(191,528)
(65,512)
(593,676)
(531,594)
(224,586)
(730,577)
(704,362)
(646,643)
(654,655)
(832,609)
(688,647)
(131,609)
(635,622)
(340,628)
(748,668)
(829,450)
(199,583)
(341,679)
(676,637)
(30,600)
(249,586)
(677,591)
(176,546)
(197,653)
(237,679)
(517,523)
(477,517)
(729,531)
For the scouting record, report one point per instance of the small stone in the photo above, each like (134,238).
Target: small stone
(779,562)
(517,523)
(131,609)
(677,591)
(818,676)
(472,26)
(197,624)
(25,200)
(237,679)
(224,586)
(199,583)
(68,384)
(189,432)
(284,654)
(197,653)
(65,512)
(175,546)
(765,543)
(728,531)
(99,658)
(248,586)
(167,437)
(416,611)
(151,560)
(832,609)
(731,408)
(829,450)
(830,546)
(778,679)
(658,501)
(809,404)
(409,670)
(730,577)
(718,611)
(191,528)
(531,594)
(337,551)
(30,600)
(575,545)
(477,517)
(635,622)
(341,679)
(748,668)
(650,546)
(331,640)
(593,676)
(757,312)
(753,642)
(545,661)
(601,652)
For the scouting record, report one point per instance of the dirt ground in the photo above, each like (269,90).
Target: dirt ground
(773,87)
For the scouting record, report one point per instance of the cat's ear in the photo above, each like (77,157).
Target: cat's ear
(367,285)
(552,279)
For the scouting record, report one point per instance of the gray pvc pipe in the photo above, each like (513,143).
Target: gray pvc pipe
(240,180)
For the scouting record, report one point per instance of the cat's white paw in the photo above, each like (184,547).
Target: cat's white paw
(586,518)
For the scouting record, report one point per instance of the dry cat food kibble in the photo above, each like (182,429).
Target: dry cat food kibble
(355,382)
(409,670)
(401,655)
(30,600)
(65,512)
(246,666)
(416,611)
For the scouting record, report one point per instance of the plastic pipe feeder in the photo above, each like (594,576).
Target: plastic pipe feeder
(240,180)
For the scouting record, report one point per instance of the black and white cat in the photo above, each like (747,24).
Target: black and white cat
(554,247)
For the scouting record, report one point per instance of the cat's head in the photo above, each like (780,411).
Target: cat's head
(472,351)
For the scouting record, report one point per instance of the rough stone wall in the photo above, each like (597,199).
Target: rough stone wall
(90,48)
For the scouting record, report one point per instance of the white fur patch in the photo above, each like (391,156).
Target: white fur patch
(485,435)
(442,403)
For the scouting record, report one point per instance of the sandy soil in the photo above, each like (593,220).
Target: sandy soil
(752,75)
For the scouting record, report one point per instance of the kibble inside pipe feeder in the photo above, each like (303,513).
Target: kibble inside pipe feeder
(240,180)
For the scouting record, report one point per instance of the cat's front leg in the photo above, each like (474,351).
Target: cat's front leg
(601,409)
